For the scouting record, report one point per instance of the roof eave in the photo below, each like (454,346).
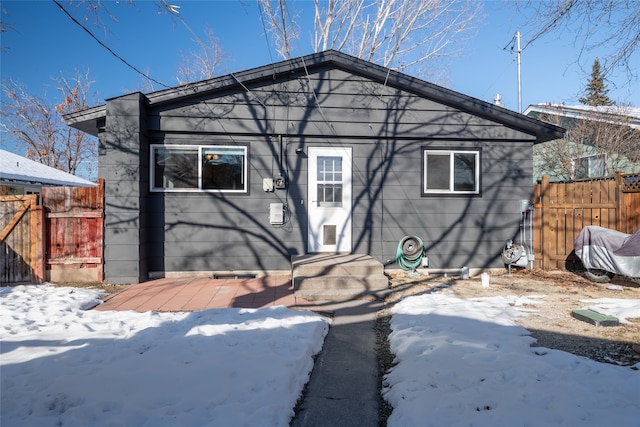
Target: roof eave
(543,131)
(89,120)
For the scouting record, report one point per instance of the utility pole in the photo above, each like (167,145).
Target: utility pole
(519,81)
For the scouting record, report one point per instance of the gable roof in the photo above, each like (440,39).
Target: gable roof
(90,120)
(19,170)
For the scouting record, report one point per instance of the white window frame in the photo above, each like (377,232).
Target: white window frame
(600,157)
(450,190)
(199,149)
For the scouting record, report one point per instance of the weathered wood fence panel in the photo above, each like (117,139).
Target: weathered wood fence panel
(630,188)
(562,209)
(74,244)
(21,227)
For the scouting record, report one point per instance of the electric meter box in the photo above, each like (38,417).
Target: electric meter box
(276,213)
(279,182)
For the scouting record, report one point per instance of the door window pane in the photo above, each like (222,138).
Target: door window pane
(329,178)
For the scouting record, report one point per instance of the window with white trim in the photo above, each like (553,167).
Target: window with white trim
(450,172)
(220,168)
(594,166)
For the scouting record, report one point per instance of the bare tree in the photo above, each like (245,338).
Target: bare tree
(397,34)
(203,64)
(599,143)
(609,132)
(37,125)
(612,24)
(279,24)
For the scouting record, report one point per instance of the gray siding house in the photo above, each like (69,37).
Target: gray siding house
(323,153)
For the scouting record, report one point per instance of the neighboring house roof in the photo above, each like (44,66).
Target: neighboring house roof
(18,170)
(629,115)
(571,159)
(92,120)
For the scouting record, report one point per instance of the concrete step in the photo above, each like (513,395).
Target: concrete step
(355,283)
(337,277)
(341,294)
(335,265)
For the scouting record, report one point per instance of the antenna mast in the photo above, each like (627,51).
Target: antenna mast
(519,81)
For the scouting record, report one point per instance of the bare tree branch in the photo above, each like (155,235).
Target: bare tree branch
(203,64)
(37,124)
(394,33)
(604,132)
(280,26)
(610,24)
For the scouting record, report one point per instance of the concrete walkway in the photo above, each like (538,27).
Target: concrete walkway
(343,389)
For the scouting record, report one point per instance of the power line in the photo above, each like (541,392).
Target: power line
(264,28)
(108,48)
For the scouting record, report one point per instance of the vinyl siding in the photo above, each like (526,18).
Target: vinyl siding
(386,128)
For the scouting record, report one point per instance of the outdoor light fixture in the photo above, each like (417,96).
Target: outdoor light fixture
(299,150)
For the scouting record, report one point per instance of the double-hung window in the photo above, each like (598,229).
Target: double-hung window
(450,172)
(220,168)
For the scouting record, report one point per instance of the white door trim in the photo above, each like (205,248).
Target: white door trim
(329,213)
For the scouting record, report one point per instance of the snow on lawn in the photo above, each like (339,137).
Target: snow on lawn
(62,365)
(465,362)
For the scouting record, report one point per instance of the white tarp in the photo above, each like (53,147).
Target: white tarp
(610,250)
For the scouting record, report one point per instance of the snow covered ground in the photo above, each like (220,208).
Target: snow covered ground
(460,363)
(465,362)
(64,366)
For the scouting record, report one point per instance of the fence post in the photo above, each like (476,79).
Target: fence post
(40,244)
(545,241)
(537,226)
(620,214)
(100,236)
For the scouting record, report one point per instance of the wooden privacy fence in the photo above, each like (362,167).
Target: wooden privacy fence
(21,228)
(562,209)
(60,241)
(74,221)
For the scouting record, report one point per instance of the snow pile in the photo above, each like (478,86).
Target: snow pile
(466,362)
(62,365)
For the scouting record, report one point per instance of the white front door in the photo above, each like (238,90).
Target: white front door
(329,205)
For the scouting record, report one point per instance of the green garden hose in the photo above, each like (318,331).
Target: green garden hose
(409,253)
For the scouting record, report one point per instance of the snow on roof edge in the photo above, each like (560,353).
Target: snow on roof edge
(15,169)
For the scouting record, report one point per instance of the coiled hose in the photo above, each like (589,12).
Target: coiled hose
(409,253)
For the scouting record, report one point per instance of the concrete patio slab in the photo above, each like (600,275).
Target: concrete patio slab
(202,293)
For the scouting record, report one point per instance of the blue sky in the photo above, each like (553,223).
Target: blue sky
(44,42)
